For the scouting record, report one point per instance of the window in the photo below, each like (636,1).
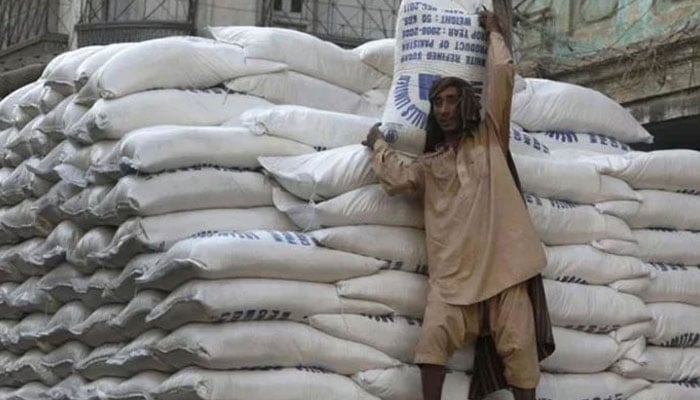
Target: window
(296,6)
(277,6)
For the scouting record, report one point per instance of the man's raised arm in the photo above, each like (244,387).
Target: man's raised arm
(499,78)
(397,173)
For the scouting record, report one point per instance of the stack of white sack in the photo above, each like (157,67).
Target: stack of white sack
(665,224)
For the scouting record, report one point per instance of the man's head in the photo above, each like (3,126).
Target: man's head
(454,110)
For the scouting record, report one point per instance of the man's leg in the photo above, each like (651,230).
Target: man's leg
(513,330)
(432,377)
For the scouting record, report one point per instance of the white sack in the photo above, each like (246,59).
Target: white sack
(593,309)
(603,385)
(524,144)
(668,247)
(394,336)
(74,112)
(273,384)
(404,383)
(661,169)
(325,174)
(74,167)
(48,205)
(96,60)
(671,390)
(572,180)
(28,297)
(663,364)
(66,389)
(79,207)
(201,63)
(30,391)
(45,168)
(22,183)
(317,128)
(581,353)
(95,366)
(253,254)
(28,368)
(8,103)
(57,329)
(138,355)
(657,209)
(90,288)
(92,390)
(62,359)
(22,221)
(378,54)
(131,321)
(403,292)
(675,325)
(24,335)
(435,39)
(159,148)
(587,265)
(112,119)
(53,250)
(49,99)
(329,62)
(366,205)
(264,343)
(95,329)
(58,283)
(232,300)
(546,105)
(559,222)
(27,106)
(158,233)
(671,283)
(289,87)
(14,257)
(137,387)
(562,141)
(402,247)
(185,190)
(93,241)
(124,285)
(63,74)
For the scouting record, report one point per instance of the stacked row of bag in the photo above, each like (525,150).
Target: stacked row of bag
(140,165)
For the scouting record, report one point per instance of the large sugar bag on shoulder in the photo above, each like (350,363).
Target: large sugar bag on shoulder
(254,254)
(434,39)
(112,119)
(667,246)
(546,105)
(657,209)
(378,54)
(95,330)
(185,190)
(158,233)
(671,390)
(271,384)
(366,205)
(675,325)
(263,343)
(124,285)
(662,169)
(403,248)
(62,75)
(159,148)
(201,62)
(572,180)
(593,309)
(139,386)
(28,368)
(57,329)
(330,63)
(318,128)
(671,283)
(394,336)
(94,365)
(603,385)
(523,143)
(404,292)
(663,364)
(325,174)
(139,355)
(404,383)
(8,103)
(132,319)
(95,61)
(62,359)
(559,222)
(231,300)
(289,87)
(587,265)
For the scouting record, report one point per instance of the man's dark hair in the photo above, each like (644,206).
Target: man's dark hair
(468,102)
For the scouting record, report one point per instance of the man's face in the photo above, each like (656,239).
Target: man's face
(447,110)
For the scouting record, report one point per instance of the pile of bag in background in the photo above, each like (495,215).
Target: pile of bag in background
(145,254)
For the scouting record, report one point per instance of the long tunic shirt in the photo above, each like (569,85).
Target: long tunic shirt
(479,236)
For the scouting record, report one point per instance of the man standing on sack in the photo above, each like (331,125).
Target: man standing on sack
(484,255)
